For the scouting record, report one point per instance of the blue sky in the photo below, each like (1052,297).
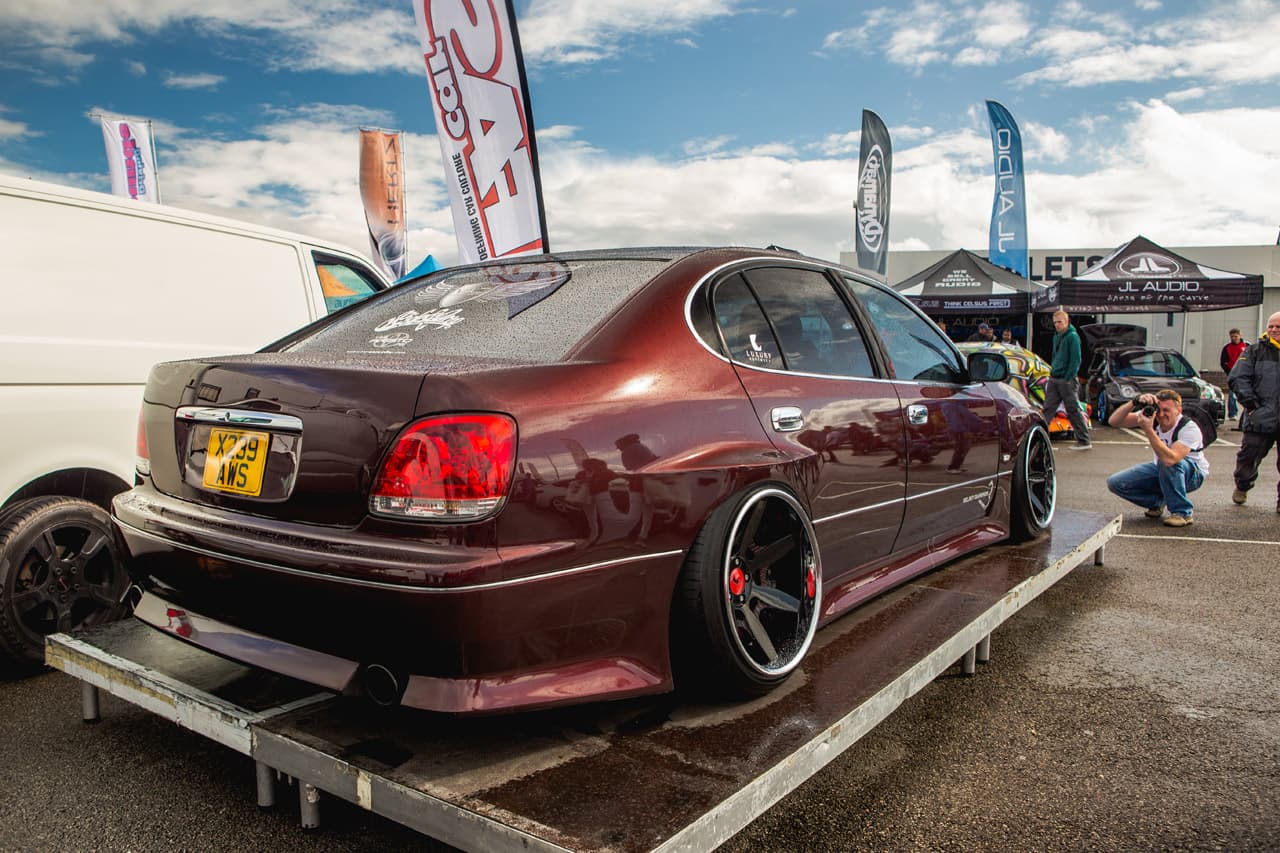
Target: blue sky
(685,121)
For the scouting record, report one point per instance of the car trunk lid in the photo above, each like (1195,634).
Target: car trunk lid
(280,436)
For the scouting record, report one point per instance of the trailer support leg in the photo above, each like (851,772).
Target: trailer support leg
(967,664)
(266,785)
(308,805)
(984,649)
(89,711)
(1097,555)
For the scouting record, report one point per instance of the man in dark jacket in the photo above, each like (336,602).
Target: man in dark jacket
(1061,387)
(1255,380)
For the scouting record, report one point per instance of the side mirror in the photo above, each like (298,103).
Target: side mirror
(988,367)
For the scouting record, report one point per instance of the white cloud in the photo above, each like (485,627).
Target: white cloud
(297,170)
(337,35)
(11,131)
(1195,93)
(136,68)
(579,31)
(935,31)
(1234,44)
(707,145)
(1000,24)
(193,81)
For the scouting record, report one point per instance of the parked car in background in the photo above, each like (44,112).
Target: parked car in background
(1118,374)
(582,476)
(99,288)
(1029,373)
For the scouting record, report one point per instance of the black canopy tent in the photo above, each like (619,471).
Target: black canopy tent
(963,283)
(1141,277)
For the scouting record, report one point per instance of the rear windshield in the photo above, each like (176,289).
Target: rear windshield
(534,311)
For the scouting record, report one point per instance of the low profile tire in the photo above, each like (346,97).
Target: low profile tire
(59,571)
(1035,487)
(1102,410)
(748,597)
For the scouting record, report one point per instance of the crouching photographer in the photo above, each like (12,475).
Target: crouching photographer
(1179,467)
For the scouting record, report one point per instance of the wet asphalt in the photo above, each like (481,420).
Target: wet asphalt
(1134,706)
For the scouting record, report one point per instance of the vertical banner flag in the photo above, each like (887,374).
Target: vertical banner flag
(131,158)
(485,126)
(382,191)
(1007,245)
(875,171)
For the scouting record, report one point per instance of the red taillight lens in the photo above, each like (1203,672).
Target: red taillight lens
(449,467)
(143,461)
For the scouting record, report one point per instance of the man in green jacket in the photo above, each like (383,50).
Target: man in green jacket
(1061,388)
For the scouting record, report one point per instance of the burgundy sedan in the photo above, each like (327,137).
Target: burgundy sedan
(575,477)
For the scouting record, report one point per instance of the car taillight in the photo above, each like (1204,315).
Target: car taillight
(447,467)
(143,461)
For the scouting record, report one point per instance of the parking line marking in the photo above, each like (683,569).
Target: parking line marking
(1196,539)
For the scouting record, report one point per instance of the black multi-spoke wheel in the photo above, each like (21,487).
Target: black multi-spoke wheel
(58,571)
(1035,486)
(749,593)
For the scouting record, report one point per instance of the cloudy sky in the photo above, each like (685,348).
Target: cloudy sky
(684,121)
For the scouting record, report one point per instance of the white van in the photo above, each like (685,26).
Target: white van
(96,290)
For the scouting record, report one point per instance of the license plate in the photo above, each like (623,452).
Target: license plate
(236,460)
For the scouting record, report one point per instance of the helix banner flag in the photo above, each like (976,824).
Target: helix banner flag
(875,171)
(1007,244)
(131,158)
(485,126)
(382,191)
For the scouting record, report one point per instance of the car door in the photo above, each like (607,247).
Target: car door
(952,428)
(804,362)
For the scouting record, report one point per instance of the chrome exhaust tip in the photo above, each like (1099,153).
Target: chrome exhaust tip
(381,685)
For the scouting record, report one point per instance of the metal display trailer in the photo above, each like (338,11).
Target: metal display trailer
(645,774)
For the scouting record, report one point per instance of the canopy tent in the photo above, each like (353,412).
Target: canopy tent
(1142,278)
(963,283)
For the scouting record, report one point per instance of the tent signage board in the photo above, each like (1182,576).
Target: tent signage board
(1141,277)
(964,283)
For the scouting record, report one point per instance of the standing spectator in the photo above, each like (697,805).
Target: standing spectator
(985,334)
(1227,360)
(942,325)
(1255,380)
(1006,337)
(1061,387)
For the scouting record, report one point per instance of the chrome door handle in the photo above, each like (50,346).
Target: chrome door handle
(787,418)
(917,415)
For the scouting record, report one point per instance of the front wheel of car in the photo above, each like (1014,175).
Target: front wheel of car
(1035,487)
(748,597)
(59,570)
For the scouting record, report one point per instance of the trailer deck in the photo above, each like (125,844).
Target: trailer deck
(656,773)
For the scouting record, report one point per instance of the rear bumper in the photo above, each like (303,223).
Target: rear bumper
(297,606)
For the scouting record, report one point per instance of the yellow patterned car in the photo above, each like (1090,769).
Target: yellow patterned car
(1029,373)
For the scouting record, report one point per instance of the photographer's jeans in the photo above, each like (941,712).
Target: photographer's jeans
(1151,485)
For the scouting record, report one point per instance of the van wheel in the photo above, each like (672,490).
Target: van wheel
(59,570)
(1035,487)
(748,598)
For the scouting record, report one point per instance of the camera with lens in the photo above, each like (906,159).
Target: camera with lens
(1149,411)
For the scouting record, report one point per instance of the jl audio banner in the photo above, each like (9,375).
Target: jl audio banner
(1007,245)
(382,191)
(875,169)
(131,158)
(485,126)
